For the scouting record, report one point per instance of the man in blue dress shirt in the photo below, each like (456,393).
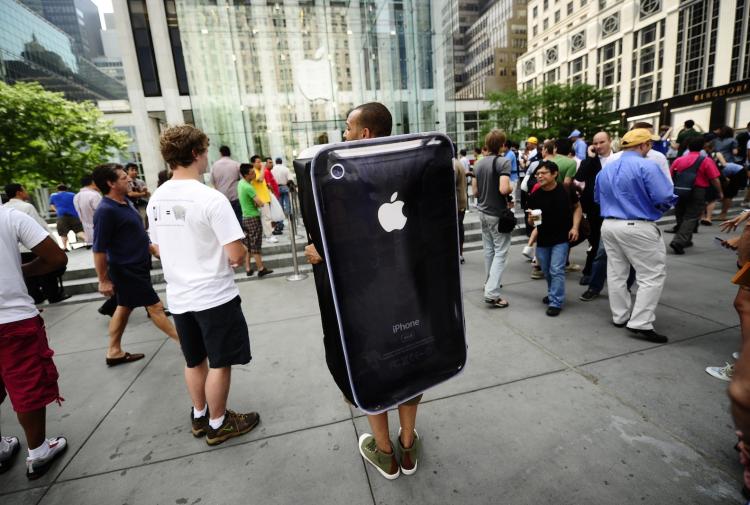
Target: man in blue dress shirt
(633,193)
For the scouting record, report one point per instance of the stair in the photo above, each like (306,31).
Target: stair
(82,283)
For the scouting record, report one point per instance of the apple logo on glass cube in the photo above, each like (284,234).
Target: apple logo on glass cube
(391,215)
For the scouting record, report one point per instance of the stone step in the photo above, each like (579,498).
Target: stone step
(278,257)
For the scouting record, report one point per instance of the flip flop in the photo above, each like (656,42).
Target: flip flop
(127,358)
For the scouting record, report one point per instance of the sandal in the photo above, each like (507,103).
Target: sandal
(498,304)
(706,222)
(126,358)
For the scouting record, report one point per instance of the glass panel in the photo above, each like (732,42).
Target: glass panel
(274,78)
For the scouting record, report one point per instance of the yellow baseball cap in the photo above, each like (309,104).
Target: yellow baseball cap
(637,137)
(532,140)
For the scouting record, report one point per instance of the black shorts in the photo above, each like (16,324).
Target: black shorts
(735,183)
(68,223)
(219,334)
(133,286)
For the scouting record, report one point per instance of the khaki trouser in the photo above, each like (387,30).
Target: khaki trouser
(637,243)
(265,219)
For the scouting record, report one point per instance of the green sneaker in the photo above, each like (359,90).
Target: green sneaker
(386,464)
(409,457)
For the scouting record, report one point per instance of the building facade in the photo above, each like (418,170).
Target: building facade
(663,60)
(33,49)
(77,18)
(274,77)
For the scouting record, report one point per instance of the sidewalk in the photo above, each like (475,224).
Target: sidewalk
(566,410)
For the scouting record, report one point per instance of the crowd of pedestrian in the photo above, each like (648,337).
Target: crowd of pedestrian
(569,191)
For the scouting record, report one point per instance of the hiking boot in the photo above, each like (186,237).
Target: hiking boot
(588,295)
(553,311)
(37,467)
(10,447)
(234,425)
(677,248)
(723,373)
(200,425)
(385,464)
(537,274)
(409,458)
(573,267)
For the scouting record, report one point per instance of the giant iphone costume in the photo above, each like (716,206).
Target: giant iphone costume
(382,214)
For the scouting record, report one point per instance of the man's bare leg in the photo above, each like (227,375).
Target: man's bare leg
(195,378)
(116,329)
(34,425)
(379,426)
(160,319)
(407,416)
(258,261)
(217,390)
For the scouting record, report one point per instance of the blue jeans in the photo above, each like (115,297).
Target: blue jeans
(552,262)
(496,247)
(599,271)
(284,200)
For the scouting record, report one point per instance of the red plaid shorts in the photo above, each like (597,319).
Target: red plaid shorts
(27,371)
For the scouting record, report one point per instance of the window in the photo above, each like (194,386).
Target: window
(535,11)
(144,47)
(648,51)
(649,8)
(577,70)
(608,69)
(570,8)
(577,42)
(550,56)
(545,24)
(557,16)
(741,43)
(610,25)
(698,24)
(546,4)
(533,30)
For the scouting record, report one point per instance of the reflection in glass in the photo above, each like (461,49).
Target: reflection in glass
(276,77)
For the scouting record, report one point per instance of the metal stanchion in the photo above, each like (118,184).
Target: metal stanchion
(296,276)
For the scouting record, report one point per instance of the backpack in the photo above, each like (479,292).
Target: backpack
(507,222)
(684,181)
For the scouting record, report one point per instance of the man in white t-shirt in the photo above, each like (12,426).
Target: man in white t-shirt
(283,176)
(86,201)
(200,242)
(27,371)
(19,200)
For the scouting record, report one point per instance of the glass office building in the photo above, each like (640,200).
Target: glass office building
(32,49)
(273,77)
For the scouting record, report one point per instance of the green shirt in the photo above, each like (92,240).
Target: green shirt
(245,194)
(567,167)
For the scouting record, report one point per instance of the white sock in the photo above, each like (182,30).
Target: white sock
(40,452)
(216,423)
(199,413)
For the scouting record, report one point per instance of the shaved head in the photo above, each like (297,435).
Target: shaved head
(602,144)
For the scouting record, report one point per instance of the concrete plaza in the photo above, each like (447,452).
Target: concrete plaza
(566,410)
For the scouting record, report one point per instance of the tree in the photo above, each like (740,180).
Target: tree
(551,111)
(46,139)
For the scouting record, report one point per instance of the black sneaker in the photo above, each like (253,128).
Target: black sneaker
(588,295)
(264,272)
(553,311)
(200,425)
(234,425)
(545,300)
(37,467)
(249,273)
(650,335)
(618,325)
(677,248)
(7,457)
(585,280)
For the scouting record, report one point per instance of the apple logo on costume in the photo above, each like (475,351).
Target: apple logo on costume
(391,215)
(313,77)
